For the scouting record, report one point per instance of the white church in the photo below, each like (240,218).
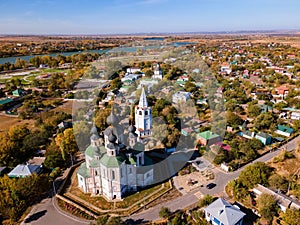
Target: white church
(111,168)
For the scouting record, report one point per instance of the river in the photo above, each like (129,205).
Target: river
(119,49)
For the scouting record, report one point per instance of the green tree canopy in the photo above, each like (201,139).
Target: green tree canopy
(257,173)
(267,206)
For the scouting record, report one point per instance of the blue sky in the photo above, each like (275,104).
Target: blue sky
(139,16)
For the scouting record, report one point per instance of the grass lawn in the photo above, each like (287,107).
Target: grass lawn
(65,107)
(7,122)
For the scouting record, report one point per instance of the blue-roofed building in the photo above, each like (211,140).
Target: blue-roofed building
(220,212)
(21,171)
(266,139)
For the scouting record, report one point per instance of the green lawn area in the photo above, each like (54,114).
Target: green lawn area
(53,70)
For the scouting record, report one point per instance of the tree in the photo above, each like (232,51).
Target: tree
(264,121)
(257,173)
(164,212)
(233,119)
(54,157)
(253,110)
(190,86)
(206,200)
(115,221)
(66,142)
(12,150)
(267,206)
(278,182)
(100,118)
(292,217)
(17,194)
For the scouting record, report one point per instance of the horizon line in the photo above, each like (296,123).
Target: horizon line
(258,31)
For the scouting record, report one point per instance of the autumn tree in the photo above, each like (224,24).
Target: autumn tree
(291,216)
(267,206)
(66,143)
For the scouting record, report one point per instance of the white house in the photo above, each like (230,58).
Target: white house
(181,96)
(220,212)
(225,68)
(295,115)
(133,70)
(131,77)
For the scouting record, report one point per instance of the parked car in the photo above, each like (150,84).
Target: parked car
(210,185)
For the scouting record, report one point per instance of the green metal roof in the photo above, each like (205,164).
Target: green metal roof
(285,129)
(207,135)
(263,135)
(83,171)
(5,101)
(95,163)
(132,161)
(180,82)
(112,161)
(90,151)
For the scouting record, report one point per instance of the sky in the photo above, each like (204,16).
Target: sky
(145,16)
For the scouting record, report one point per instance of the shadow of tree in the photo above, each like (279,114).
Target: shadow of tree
(35,216)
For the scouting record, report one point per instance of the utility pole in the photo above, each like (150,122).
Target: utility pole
(144,201)
(54,190)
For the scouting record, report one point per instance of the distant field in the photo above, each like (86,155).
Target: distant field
(7,122)
(65,107)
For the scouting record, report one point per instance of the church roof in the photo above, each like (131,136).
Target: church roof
(84,171)
(112,161)
(95,163)
(91,150)
(143,103)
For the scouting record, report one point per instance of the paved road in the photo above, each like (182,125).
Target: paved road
(47,214)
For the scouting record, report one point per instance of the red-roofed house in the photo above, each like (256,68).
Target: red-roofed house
(282,91)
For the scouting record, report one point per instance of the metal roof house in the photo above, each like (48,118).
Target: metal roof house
(266,139)
(208,138)
(284,130)
(25,170)
(220,212)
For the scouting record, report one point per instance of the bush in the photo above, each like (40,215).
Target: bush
(164,212)
(206,200)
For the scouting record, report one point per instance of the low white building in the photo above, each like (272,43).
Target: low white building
(181,96)
(295,115)
(225,68)
(133,70)
(131,77)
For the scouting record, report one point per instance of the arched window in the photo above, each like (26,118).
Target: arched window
(112,175)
